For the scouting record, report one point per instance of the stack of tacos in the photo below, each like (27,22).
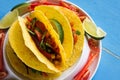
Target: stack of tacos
(45,42)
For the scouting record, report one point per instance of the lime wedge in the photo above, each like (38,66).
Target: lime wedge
(8,19)
(92,30)
(11,16)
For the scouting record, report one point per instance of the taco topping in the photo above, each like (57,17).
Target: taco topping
(44,42)
(58,28)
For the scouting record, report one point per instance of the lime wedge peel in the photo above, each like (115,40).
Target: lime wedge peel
(20,5)
(92,30)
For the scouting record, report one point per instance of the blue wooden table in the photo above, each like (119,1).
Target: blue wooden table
(106,14)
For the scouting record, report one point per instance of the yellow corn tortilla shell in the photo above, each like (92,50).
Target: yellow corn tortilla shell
(31,45)
(17,43)
(19,68)
(73,51)
(77,25)
(52,13)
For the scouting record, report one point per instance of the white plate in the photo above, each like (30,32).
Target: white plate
(72,71)
(67,74)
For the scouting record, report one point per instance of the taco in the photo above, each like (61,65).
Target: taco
(46,56)
(73,31)
(78,33)
(53,14)
(22,70)
(48,40)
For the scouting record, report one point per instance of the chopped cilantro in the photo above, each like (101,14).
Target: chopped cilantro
(36,71)
(33,23)
(30,32)
(77,32)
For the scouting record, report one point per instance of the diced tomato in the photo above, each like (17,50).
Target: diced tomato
(28,18)
(2,36)
(47,35)
(3,75)
(64,4)
(3,72)
(44,74)
(45,54)
(34,4)
(41,2)
(1,62)
(82,18)
(53,45)
(93,44)
(69,6)
(41,26)
(51,2)
(39,35)
(75,37)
